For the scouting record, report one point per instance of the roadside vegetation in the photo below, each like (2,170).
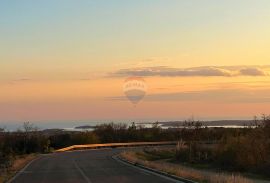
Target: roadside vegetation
(236,150)
(243,151)
(18,163)
(189,173)
(246,150)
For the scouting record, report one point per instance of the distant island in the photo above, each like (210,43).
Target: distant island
(210,124)
(84,127)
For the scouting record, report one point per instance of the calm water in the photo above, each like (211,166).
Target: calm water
(70,125)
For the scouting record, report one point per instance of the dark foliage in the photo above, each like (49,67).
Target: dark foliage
(245,149)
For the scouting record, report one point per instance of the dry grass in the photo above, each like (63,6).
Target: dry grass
(224,178)
(186,172)
(18,164)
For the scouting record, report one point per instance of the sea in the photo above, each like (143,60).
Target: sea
(71,125)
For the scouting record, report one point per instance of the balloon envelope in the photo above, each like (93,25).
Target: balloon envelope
(134,89)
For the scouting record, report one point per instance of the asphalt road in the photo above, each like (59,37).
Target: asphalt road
(93,166)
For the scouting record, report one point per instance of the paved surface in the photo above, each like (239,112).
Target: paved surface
(93,166)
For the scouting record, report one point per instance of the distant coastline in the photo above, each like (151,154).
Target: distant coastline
(89,126)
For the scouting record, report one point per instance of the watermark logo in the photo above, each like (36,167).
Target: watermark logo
(135,89)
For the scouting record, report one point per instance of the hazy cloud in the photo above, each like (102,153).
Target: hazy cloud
(218,95)
(206,71)
(22,79)
(253,72)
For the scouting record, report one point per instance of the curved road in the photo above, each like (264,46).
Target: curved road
(92,166)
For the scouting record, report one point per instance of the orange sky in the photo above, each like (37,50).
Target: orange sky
(68,61)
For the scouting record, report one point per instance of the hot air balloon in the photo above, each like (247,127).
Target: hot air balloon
(134,89)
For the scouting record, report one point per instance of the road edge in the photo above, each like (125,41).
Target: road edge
(118,158)
(19,172)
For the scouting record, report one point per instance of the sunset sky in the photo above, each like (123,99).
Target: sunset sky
(68,60)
